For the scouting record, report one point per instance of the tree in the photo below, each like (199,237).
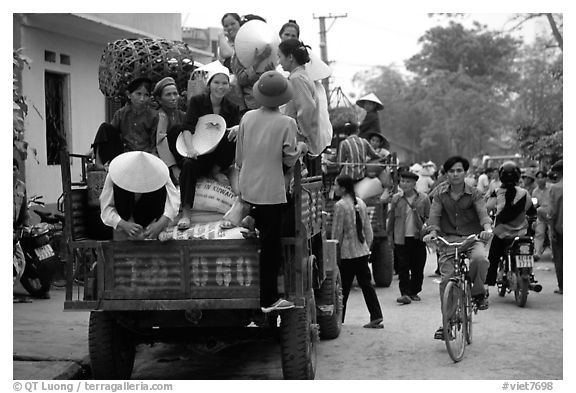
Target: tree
(20,107)
(468,77)
(538,107)
(555,21)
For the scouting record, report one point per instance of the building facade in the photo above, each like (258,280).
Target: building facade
(61,86)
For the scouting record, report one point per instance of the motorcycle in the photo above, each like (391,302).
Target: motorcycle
(515,270)
(56,235)
(41,259)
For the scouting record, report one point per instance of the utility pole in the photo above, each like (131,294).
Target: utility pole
(324,46)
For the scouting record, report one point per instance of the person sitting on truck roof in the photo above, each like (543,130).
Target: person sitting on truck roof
(138,199)
(132,127)
(266,144)
(169,117)
(214,163)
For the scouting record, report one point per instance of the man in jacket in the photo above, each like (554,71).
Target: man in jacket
(408,211)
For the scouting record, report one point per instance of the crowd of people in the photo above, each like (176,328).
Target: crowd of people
(495,206)
(261,118)
(269,118)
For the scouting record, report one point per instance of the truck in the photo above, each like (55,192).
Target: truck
(382,250)
(202,292)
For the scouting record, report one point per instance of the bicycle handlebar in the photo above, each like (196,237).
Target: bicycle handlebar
(456,244)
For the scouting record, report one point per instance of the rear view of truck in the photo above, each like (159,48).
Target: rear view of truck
(197,290)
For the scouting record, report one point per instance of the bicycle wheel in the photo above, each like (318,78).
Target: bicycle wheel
(453,319)
(469,312)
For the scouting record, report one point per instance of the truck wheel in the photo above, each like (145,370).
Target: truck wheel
(382,262)
(330,293)
(298,337)
(111,348)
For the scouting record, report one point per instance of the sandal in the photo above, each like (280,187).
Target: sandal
(249,223)
(184,223)
(375,324)
(249,234)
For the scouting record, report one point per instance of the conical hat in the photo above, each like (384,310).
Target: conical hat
(138,171)
(209,131)
(372,98)
(316,68)
(256,34)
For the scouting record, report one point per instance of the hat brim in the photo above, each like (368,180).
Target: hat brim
(316,68)
(362,104)
(138,172)
(370,98)
(368,134)
(273,101)
(409,175)
(210,130)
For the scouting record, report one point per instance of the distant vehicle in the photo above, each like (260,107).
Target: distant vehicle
(496,161)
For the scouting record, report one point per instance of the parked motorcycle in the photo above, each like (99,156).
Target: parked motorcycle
(56,235)
(515,270)
(41,259)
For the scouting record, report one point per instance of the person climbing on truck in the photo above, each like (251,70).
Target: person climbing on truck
(266,144)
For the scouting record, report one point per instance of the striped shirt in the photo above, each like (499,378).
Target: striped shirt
(355,150)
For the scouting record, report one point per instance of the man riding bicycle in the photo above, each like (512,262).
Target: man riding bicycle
(458,210)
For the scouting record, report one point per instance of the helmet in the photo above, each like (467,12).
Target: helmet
(509,173)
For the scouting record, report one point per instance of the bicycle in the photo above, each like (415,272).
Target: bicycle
(457,305)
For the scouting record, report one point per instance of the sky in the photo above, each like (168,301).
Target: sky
(361,37)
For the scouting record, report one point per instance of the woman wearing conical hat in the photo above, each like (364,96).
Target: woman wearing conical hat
(138,199)
(371,104)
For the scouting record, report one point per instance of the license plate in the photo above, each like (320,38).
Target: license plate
(524,260)
(44,252)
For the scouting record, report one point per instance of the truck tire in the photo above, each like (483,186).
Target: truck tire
(298,337)
(382,262)
(111,348)
(330,293)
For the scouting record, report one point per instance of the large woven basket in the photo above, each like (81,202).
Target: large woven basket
(341,110)
(126,59)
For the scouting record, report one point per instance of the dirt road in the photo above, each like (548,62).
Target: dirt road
(509,343)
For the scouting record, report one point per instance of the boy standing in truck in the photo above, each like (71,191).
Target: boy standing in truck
(265,145)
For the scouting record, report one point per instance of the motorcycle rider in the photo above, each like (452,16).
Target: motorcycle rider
(511,204)
(20,220)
